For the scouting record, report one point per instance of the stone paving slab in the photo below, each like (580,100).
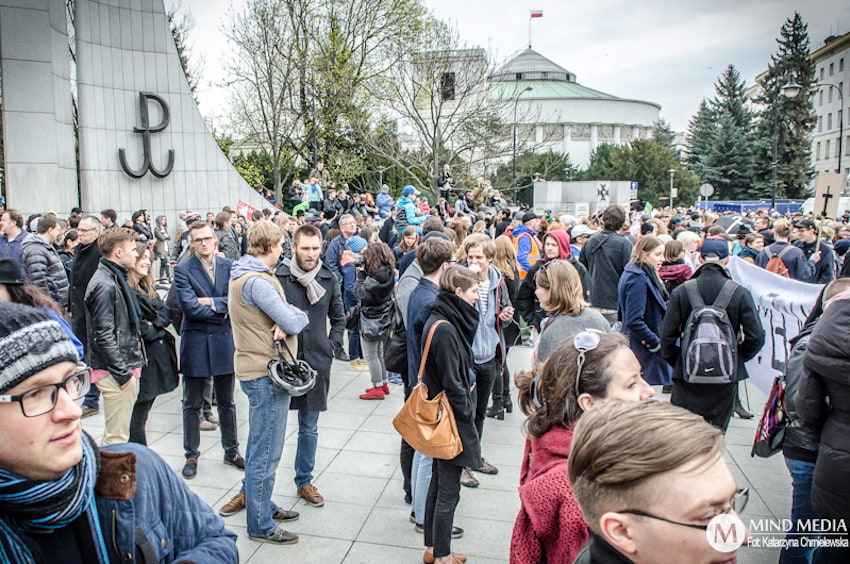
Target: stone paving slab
(365,518)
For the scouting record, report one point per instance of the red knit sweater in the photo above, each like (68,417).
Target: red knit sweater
(550,522)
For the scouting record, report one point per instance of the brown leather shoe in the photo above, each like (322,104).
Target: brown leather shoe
(234,506)
(457,558)
(311,495)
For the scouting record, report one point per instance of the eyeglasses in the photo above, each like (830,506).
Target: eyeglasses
(737,504)
(42,399)
(203,240)
(584,342)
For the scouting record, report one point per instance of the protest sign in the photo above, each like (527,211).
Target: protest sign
(782,305)
(245,209)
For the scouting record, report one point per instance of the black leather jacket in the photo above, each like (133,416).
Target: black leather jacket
(111,343)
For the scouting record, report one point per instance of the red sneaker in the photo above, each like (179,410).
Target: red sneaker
(386,389)
(373,394)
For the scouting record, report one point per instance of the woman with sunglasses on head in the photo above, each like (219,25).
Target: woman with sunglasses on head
(448,368)
(159,374)
(585,368)
(642,300)
(560,293)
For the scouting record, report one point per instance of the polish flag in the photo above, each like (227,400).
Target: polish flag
(536,13)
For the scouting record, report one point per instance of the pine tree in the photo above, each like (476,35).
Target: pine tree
(729,160)
(790,120)
(700,136)
(663,133)
(728,164)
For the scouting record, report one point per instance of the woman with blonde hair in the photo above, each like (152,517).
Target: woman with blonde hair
(642,300)
(560,293)
(505,263)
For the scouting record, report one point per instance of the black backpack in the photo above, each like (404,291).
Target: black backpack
(709,342)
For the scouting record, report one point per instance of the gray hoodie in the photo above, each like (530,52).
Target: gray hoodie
(259,292)
(487,337)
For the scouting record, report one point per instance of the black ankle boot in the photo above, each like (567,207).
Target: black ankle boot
(509,406)
(497,412)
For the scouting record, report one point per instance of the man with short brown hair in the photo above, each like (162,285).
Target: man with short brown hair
(649,478)
(12,234)
(113,339)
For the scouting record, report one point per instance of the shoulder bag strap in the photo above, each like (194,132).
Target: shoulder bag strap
(428,347)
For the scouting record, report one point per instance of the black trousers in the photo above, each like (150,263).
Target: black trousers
(502,388)
(714,402)
(443,495)
(138,421)
(406,455)
(486,375)
(193,399)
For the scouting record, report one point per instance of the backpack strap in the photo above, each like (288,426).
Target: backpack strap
(770,254)
(785,251)
(725,295)
(693,294)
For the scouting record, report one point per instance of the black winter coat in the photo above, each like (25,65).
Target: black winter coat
(605,255)
(741,311)
(111,343)
(44,268)
(801,439)
(86,260)
(315,345)
(823,401)
(159,375)
(376,303)
(227,244)
(449,366)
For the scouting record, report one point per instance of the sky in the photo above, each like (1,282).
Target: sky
(666,51)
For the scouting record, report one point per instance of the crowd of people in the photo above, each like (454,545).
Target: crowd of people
(613,304)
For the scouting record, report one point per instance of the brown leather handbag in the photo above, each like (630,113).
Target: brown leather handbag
(429,426)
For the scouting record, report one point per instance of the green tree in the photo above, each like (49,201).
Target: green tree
(700,137)
(180,31)
(646,162)
(663,133)
(786,121)
(549,165)
(728,161)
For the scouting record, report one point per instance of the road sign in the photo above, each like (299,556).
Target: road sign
(674,192)
(633,191)
(706,190)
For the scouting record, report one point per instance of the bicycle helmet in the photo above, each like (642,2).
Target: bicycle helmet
(293,377)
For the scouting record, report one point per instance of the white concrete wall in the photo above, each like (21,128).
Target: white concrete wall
(40,169)
(123,48)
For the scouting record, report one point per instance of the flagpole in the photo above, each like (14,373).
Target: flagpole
(530,19)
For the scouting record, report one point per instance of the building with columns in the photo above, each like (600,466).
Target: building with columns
(554,112)
(832,72)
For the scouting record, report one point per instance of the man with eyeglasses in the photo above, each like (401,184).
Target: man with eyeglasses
(86,259)
(62,498)
(653,500)
(206,345)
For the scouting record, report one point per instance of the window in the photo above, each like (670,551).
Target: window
(826,152)
(519,76)
(841,65)
(829,101)
(447,86)
(821,73)
(817,151)
(831,69)
(828,122)
(820,98)
(820,124)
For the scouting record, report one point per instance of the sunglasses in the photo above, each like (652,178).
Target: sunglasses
(583,342)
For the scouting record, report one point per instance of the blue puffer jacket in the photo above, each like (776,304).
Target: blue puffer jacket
(147,514)
(641,311)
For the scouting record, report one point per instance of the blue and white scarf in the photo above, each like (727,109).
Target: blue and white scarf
(28,506)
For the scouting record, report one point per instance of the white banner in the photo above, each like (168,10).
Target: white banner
(783,305)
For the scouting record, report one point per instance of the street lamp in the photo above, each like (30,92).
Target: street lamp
(516,102)
(671,172)
(792,89)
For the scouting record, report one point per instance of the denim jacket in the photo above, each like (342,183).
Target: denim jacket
(147,514)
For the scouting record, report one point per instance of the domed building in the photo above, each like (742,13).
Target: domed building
(554,112)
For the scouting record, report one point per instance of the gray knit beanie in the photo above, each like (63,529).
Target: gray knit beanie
(30,341)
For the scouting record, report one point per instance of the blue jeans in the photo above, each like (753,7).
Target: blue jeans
(420,482)
(801,510)
(267,410)
(308,441)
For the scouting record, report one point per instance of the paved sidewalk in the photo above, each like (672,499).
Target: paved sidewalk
(365,518)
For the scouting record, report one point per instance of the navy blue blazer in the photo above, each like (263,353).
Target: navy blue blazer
(206,344)
(641,311)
